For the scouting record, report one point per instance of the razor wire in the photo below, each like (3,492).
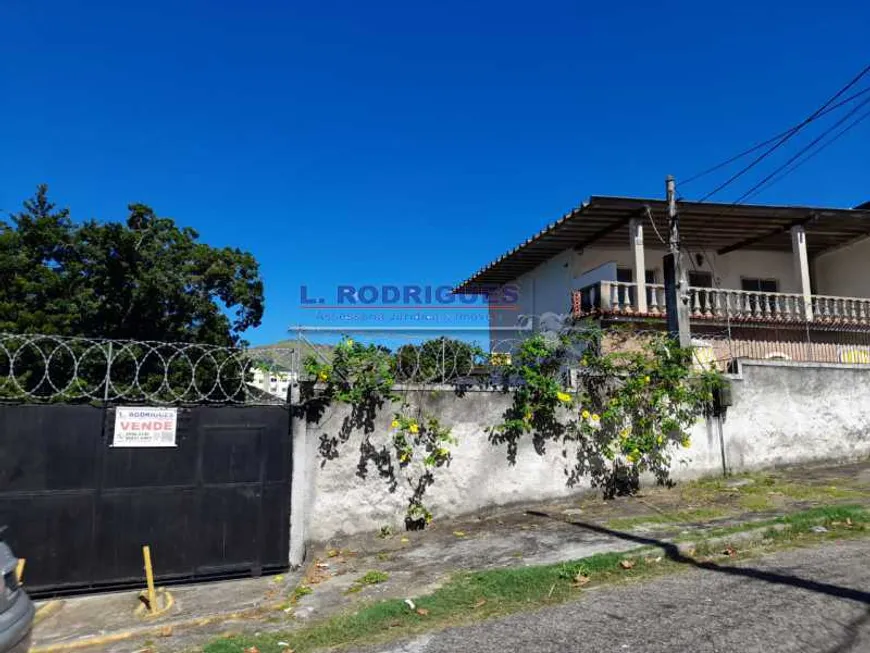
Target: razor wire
(60,369)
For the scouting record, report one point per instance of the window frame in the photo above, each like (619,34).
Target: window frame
(759,281)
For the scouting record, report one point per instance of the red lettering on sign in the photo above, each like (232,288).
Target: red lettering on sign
(146,426)
(125,426)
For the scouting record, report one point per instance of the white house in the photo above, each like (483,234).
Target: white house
(801,272)
(276,383)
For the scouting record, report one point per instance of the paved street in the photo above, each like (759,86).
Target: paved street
(805,600)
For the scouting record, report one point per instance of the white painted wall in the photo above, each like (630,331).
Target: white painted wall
(844,272)
(727,270)
(783,413)
(547,288)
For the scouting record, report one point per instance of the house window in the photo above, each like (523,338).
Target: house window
(626,275)
(759,285)
(699,279)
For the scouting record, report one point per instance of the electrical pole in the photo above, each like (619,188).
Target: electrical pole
(676,295)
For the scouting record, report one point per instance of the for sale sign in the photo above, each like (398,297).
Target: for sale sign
(145,427)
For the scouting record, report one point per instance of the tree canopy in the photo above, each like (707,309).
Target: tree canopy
(142,279)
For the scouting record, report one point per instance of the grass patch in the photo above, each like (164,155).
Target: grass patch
(469,597)
(666,518)
(763,491)
(299,591)
(369,578)
(373,578)
(803,521)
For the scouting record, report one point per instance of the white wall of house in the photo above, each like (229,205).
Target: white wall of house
(844,272)
(547,288)
(727,270)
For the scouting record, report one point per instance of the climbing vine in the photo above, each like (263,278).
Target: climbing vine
(617,404)
(633,400)
(364,377)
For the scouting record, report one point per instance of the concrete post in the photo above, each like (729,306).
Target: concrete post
(299,480)
(636,231)
(802,268)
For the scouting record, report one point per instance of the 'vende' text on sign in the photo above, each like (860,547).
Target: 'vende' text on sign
(145,427)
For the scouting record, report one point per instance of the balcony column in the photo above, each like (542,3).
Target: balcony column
(635,229)
(802,269)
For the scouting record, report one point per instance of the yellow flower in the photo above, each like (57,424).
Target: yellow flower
(394,424)
(585,414)
(685,441)
(564,397)
(350,342)
(595,418)
(660,440)
(646,379)
(634,456)
(528,416)
(414,428)
(623,434)
(323,375)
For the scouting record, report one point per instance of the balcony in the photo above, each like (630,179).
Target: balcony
(722,305)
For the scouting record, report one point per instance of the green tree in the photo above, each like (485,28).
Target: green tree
(438,360)
(142,279)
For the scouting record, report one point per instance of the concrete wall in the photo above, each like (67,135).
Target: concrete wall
(786,413)
(783,413)
(844,272)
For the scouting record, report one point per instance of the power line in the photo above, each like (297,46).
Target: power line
(770,140)
(803,150)
(819,150)
(781,141)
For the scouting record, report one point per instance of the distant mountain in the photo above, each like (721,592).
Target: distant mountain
(284,354)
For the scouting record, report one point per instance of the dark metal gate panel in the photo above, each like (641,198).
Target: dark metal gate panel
(80,510)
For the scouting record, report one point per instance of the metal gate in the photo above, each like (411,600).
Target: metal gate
(79,511)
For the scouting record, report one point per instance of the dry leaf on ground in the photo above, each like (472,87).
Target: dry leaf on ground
(422,612)
(626,564)
(459,533)
(166,631)
(480,603)
(580,580)
(730,551)
(252,649)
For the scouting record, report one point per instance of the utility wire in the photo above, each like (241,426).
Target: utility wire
(791,132)
(800,152)
(770,140)
(818,150)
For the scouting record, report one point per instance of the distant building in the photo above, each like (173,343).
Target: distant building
(274,382)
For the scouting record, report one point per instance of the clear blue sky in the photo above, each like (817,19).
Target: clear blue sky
(405,142)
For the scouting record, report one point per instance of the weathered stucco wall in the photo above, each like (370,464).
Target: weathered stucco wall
(783,413)
(786,413)
(843,272)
